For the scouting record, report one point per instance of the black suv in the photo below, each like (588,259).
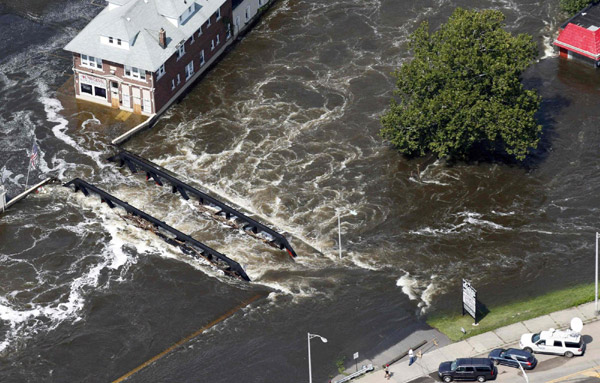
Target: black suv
(479,369)
(507,358)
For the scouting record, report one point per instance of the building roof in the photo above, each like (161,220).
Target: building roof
(581,34)
(138,22)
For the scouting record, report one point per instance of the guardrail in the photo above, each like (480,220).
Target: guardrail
(363,370)
(6,202)
(188,244)
(134,162)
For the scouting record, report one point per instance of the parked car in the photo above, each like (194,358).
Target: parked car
(479,369)
(553,341)
(507,358)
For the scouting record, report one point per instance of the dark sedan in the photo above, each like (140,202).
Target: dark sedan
(507,358)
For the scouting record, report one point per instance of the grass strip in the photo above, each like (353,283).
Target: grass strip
(504,315)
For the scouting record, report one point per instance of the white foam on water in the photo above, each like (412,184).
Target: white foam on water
(409,286)
(548,37)
(52,107)
(503,214)
(27,320)
(483,222)
(417,290)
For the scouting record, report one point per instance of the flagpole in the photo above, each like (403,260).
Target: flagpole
(29,166)
(28,169)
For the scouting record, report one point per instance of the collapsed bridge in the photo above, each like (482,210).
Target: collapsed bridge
(169,234)
(251,226)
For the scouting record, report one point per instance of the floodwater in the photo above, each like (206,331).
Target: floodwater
(286,127)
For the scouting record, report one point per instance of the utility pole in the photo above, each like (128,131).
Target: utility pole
(340,247)
(596,287)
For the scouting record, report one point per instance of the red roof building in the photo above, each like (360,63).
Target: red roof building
(580,36)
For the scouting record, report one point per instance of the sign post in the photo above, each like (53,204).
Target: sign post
(469,300)
(356,360)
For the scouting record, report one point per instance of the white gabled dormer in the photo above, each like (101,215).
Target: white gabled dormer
(113,4)
(114,41)
(187,13)
(177,12)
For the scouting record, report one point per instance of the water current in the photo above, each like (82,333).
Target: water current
(286,127)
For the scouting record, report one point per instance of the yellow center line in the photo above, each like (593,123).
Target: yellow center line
(592,372)
(188,338)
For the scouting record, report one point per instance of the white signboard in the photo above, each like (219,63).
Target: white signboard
(356,355)
(91,80)
(469,299)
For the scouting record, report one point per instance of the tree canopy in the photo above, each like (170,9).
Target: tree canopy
(462,90)
(573,6)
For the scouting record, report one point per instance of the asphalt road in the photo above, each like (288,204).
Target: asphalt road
(551,368)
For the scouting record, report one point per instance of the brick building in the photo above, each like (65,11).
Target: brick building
(139,55)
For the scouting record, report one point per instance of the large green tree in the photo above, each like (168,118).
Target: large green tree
(573,6)
(462,91)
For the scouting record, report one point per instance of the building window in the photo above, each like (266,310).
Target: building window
(191,42)
(91,62)
(133,72)
(172,84)
(228,36)
(160,72)
(180,51)
(212,45)
(100,92)
(202,58)
(200,31)
(93,90)
(178,79)
(260,3)
(218,14)
(118,41)
(85,88)
(110,40)
(208,23)
(189,70)
(247,14)
(218,39)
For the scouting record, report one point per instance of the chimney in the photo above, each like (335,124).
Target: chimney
(162,38)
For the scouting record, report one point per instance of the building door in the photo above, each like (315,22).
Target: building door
(114,94)
(137,101)
(125,96)
(147,102)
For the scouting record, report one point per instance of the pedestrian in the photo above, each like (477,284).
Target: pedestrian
(387,372)
(411,357)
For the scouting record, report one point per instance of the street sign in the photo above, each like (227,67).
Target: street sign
(355,360)
(356,355)
(469,299)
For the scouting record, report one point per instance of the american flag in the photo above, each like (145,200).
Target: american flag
(34,155)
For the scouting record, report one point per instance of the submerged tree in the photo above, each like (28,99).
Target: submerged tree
(573,6)
(462,90)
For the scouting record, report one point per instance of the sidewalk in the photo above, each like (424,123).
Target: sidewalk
(478,344)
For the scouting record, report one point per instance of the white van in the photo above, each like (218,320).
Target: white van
(567,343)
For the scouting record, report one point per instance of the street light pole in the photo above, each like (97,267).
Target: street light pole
(309,336)
(340,238)
(522,370)
(309,365)
(596,289)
